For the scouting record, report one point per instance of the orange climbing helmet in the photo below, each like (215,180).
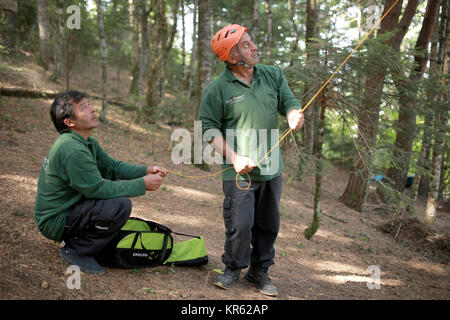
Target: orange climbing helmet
(225,39)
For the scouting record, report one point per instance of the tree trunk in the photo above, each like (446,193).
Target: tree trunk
(132,35)
(101,33)
(117,48)
(204,47)
(133,20)
(441,125)
(183,49)
(421,180)
(204,64)
(408,89)
(444,59)
(255,16)
(163,41)
(269,31)
(441,119)
(142,53)
(8,11)
(320,124)
(355,193)
(432,98)
(59,43)
(68,61)
(444,172)
(44,33)
(312,13)
(192,64)
(294,46)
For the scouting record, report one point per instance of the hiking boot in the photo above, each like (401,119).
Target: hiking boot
(87,264)
(229,276)
(258,276)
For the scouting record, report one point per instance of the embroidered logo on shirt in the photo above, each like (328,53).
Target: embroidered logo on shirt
(235,99)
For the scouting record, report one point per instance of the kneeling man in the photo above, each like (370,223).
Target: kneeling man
(82,195)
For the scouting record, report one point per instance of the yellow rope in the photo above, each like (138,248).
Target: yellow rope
(304,108)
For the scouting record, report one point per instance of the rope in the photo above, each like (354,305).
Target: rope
(304,108)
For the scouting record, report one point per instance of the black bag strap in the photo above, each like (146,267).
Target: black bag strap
(186,235)
(162,228)
(136,235)
(163,249)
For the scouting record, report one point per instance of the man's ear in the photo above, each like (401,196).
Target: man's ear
(69,123)
(232,57)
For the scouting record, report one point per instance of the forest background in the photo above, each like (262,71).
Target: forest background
(383,117)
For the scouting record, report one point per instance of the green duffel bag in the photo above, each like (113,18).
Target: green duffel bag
(189,253)
(141,243)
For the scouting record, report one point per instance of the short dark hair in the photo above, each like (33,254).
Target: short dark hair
(62,108)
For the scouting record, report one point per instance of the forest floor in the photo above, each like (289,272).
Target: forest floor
(336,264)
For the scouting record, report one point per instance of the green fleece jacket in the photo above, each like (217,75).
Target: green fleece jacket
(75,168)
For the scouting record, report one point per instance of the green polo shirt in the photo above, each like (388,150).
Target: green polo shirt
(75,168)
(247,116)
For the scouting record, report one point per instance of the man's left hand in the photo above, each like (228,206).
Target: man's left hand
(161,171)
(295,119)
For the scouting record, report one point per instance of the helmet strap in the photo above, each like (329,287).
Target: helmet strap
(241,58)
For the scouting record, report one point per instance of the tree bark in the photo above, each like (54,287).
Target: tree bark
(421,180)
(204,47)
(255,16)
(439,141)
(269,31)
(312,13)
(132,34)
(8,11)
(294,45)
(192,67)
(320,124)
(44,33)
(162,44)
(441,119)
(101,33)
(183,49)
(408,89)
(443,181)
(59,43)
(142,53)
(355,193)
(133,19)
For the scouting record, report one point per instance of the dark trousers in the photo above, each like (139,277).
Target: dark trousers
(252,221)
(92,223)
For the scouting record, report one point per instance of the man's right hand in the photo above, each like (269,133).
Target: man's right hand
(153,182)
(243,164)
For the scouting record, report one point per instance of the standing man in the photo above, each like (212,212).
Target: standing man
(82,192)
(244,102)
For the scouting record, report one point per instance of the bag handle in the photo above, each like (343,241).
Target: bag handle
(136,235)
(164,229)
(163,250)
